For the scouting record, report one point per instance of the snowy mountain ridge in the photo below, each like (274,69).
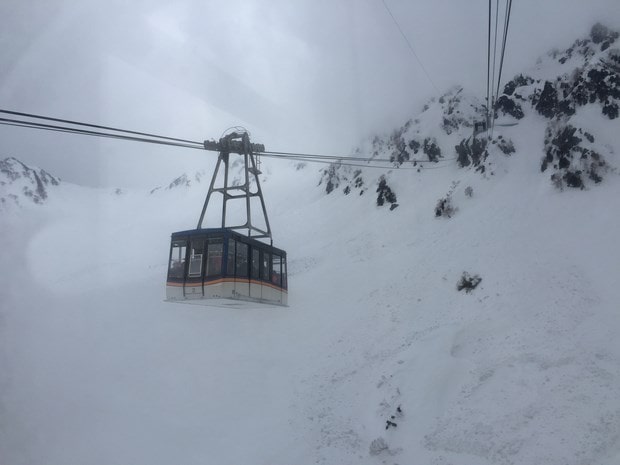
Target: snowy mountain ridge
(564,88)
(18,181)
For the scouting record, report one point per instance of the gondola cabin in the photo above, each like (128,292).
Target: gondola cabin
(221,267)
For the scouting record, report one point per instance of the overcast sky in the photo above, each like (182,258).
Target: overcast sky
(301,75)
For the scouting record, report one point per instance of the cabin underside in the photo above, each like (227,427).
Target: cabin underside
(230,293)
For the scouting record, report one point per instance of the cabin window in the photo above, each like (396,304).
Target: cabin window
(255,267)
(276,270)
(284,278)
(230,261)
(264,266)
(214,257)
(176,267)
(241,261)
(195,258)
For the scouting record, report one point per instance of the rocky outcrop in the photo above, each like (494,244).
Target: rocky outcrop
(589,75)
(21,183)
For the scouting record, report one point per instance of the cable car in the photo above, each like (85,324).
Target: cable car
(222,266)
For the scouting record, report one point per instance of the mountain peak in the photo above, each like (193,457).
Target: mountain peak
(19,181)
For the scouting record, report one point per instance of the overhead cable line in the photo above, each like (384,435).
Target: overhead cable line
(360,165)
(122,134)
(493,95)
(334,157)
(493,88)
(409,44)
(345,162)
(489,68)
(501,61)
(66,129)
(96,126)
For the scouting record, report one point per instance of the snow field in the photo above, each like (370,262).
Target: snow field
(524,369)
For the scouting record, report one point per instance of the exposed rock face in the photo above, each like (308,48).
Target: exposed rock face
(471,151)
(509,106)
(431,149)
(331,177)
(593,77)
(21,183)
(185,180)
(570,154)
(548,101)
(385,194)
(557,89)
(335,175)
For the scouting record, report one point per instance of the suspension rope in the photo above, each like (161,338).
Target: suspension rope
(336,158)
(122,134)
(96,126)
(66,129)
(493,91)
(501,61)
(489,68)
(493,96)
(346,162)
(409,44)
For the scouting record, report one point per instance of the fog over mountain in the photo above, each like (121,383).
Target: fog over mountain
(455,306)
(306,76)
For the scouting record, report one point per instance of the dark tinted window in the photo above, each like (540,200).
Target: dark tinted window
(284,277)
(241,260)
(276,270)
(176,267)
(230,262)
(264,266)
(255,265)
(214,257)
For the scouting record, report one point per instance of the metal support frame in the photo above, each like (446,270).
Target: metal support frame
(238,143)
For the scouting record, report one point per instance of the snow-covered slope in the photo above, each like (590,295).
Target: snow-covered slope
(574,95)
(523,369)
